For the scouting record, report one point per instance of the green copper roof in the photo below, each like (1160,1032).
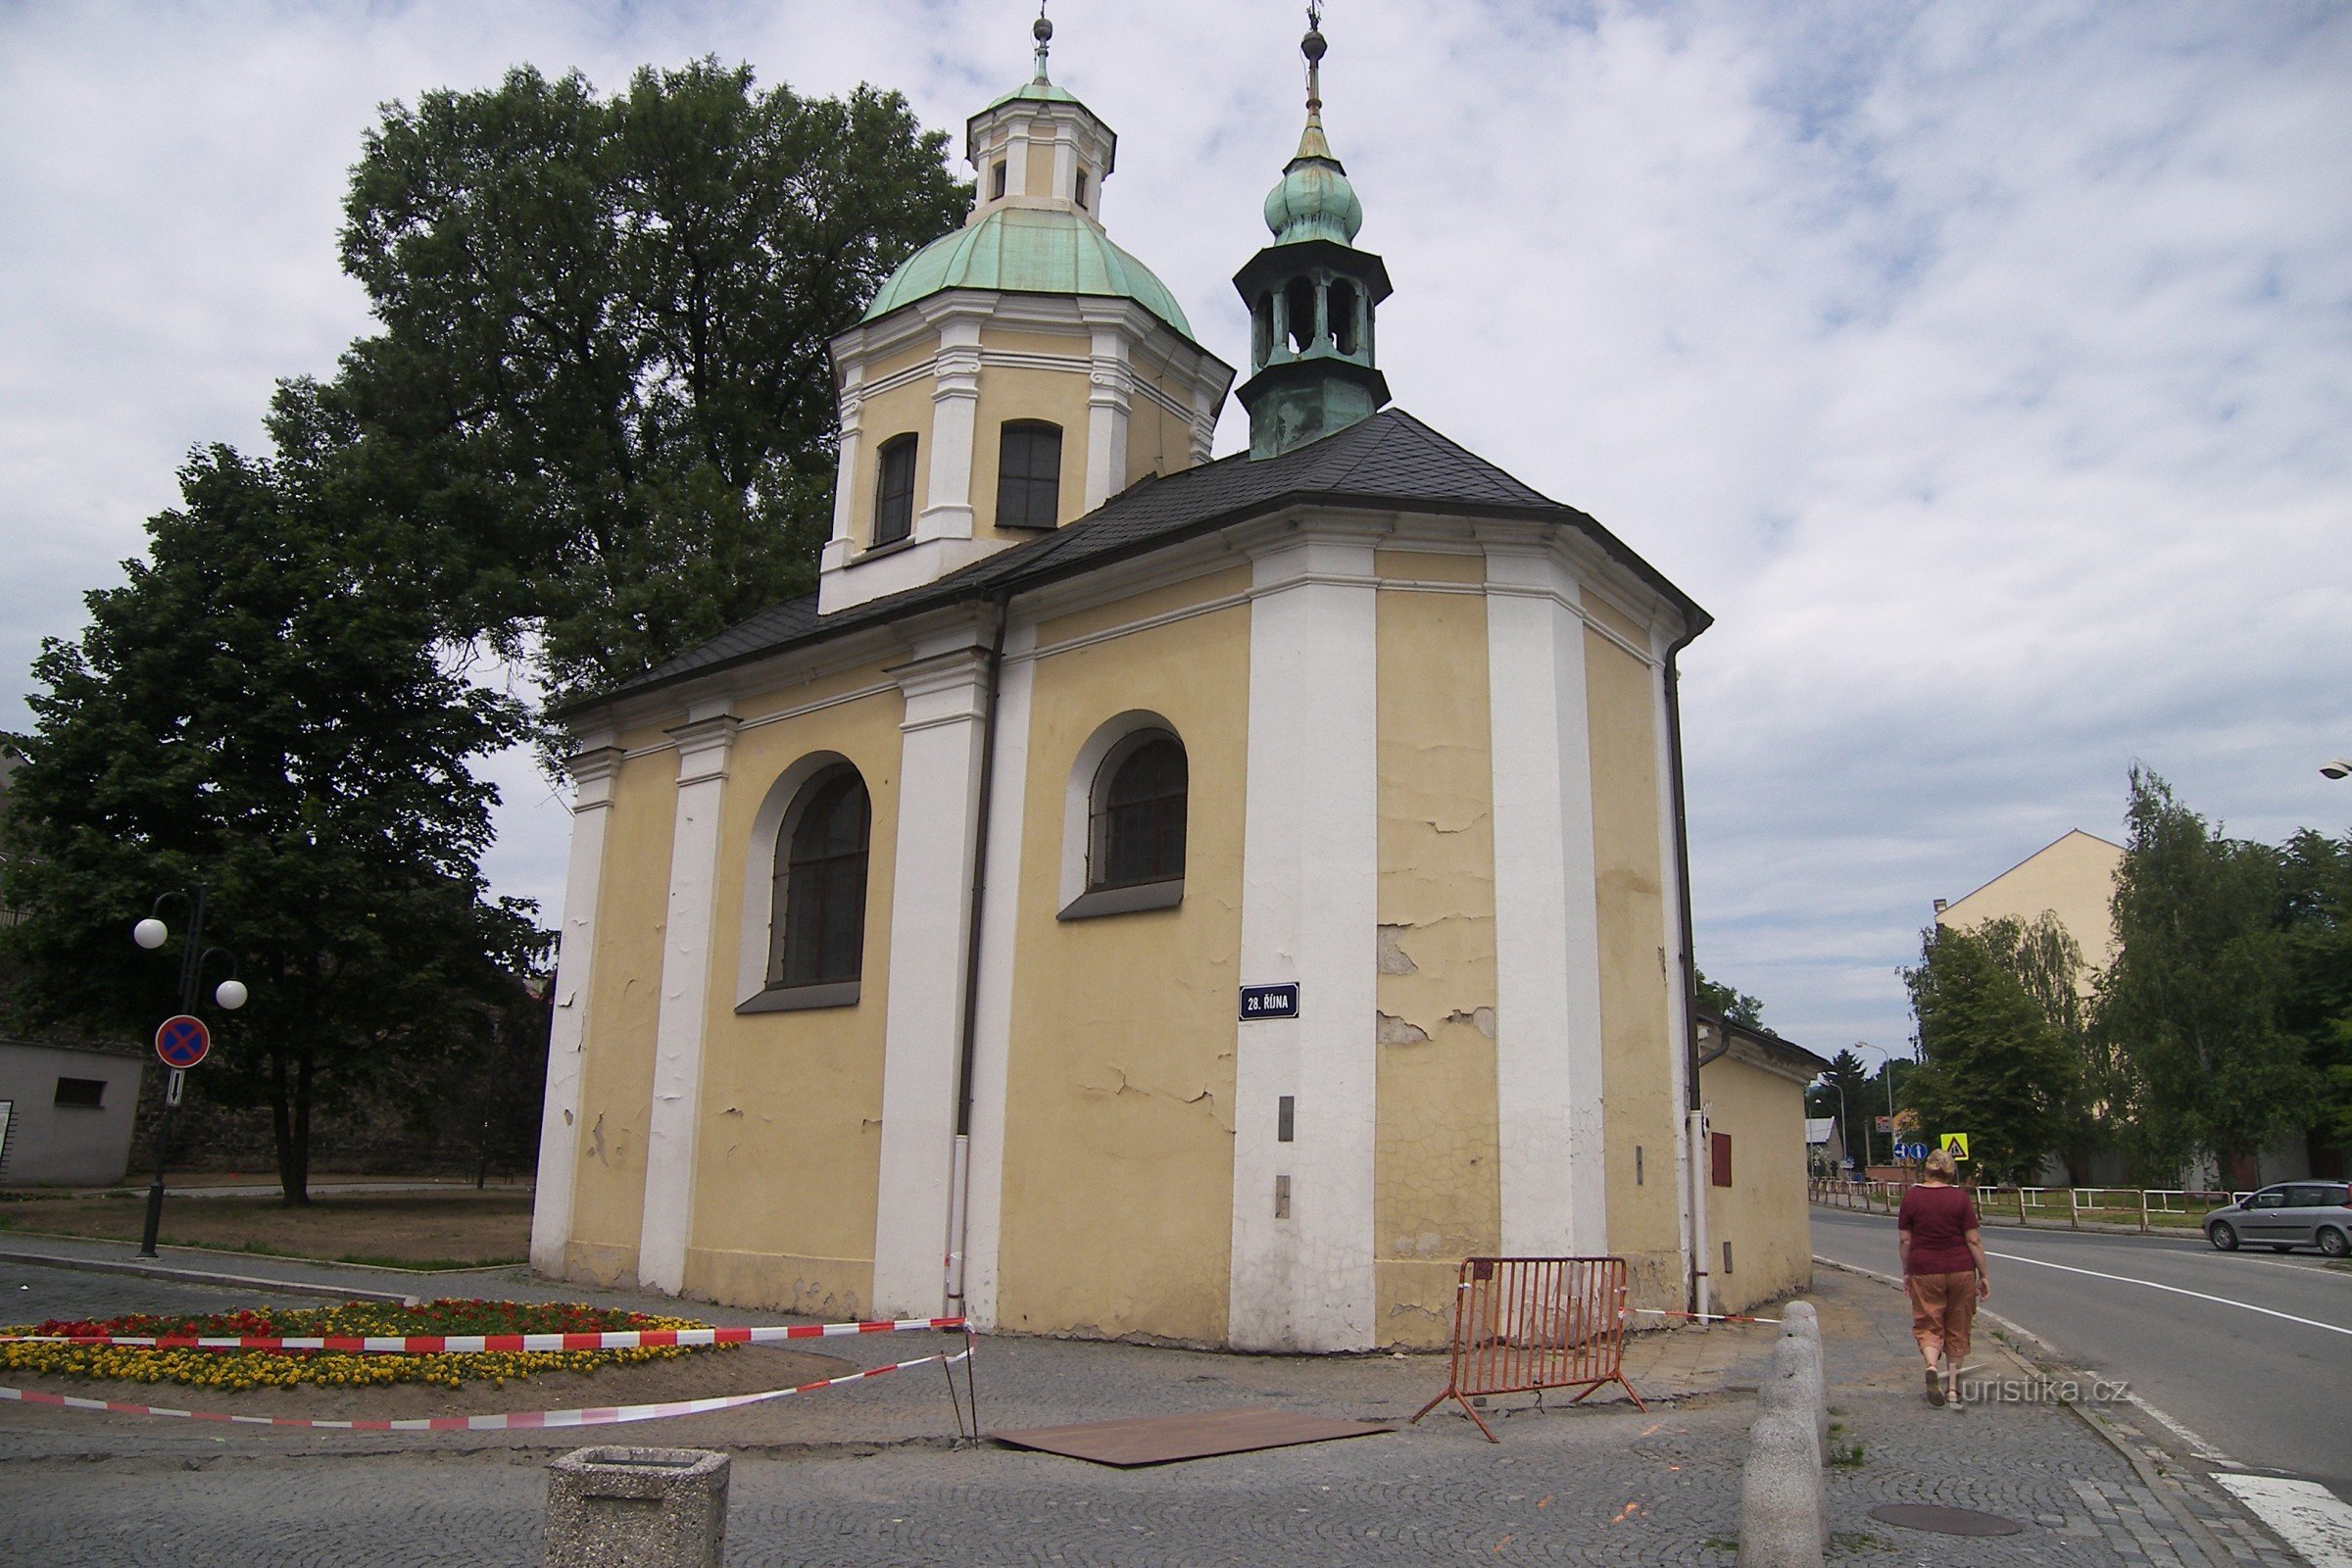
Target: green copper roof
(1029,250)
(1039,91)
(1315,201)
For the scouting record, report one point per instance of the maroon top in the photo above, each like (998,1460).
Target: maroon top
(1938,1219)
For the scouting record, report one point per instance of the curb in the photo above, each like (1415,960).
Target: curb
(2214,1550)
(189,1276)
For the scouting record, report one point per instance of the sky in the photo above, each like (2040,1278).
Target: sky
(1985,370)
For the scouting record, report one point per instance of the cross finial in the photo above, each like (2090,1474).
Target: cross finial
(1043,31)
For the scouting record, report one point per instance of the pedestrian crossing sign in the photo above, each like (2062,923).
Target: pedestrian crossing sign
(1955,1144)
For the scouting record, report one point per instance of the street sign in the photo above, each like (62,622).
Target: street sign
(1270,1002)
(182,1041)
(1956,1142)
(173,1085)
(1910,1151)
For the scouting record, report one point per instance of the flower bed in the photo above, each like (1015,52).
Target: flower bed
(234,1370)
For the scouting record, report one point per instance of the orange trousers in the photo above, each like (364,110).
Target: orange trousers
(1943,1308)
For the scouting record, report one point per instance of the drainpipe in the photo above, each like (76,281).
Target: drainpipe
(960,1172)
(1697,1114)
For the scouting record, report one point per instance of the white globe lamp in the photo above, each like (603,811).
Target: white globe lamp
(149,933)
(231,993)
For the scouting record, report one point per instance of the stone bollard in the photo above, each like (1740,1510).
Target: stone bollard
(1800,1325)
(1791,1389)
(1780,1520)
(644,1507)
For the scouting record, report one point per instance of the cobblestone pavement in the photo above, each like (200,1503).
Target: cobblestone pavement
(860,1476)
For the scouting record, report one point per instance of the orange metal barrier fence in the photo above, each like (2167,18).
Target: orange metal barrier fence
(1525,1324)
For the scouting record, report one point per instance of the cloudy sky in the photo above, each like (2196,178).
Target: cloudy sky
(1982,368)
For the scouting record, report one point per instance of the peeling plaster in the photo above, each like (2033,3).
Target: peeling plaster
(1395,1030)
(1480,1018)
(596,1138)
(1394,960)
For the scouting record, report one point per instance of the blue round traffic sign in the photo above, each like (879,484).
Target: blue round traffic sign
(182,1041)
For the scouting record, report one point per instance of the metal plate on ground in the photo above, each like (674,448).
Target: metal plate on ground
(1165,1438)
(1946,1521)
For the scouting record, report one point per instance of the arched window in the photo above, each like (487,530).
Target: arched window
(1136,826)
(1299,304)
(894,490)
(1342,304)
(1029,474)
(996,180)
(1081,187)
(1261,330)
(817,928)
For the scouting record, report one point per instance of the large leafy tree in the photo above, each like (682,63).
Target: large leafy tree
(2192,1003)
(251,713)
(1992,1065)
(1732,1004)
(601,404)
(2044,959)
(2317,1009)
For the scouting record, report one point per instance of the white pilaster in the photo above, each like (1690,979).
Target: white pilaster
(939,776)
(1110,391)
(1309,913)
(675,1116)
(955,411)
(592,771)
(843,544)
(998,928)
(1547,916)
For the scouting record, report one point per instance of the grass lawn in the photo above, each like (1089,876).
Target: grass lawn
(455,1229)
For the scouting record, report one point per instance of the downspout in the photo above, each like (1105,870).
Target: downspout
(1695,1114)
(959,1173)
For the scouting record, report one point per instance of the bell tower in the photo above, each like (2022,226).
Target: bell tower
(1311,294)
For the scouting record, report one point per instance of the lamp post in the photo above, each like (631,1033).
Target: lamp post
(2337,767)
(1886,1072)
(151,933)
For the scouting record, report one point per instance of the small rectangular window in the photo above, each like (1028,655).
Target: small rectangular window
(1082,187)
(1727,1258)
(894,491)
(1720,1146)
(1029,476)
(87,1092)
(996,180)
(1282,1198)
(1284,1108)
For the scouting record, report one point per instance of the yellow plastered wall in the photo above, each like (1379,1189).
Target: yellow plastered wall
(893,412)
(1008,393)
(1437,1193)
(2073,879)
(1118,1135)
(1762,1214)
(788,1154)
(1157,441)
(1041,168)
(618,1074)
(1638,1043)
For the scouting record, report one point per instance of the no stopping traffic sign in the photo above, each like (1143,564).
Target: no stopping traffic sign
(182,1041)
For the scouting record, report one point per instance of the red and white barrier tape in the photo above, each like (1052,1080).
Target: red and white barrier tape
(1704,1317)
(483,1344)
(513,1421)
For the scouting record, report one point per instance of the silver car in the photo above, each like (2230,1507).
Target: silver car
(2286,1216)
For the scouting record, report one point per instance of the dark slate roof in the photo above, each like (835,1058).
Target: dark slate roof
(1389,462)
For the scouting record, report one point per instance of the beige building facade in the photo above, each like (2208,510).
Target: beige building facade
(1137,895)
(2072,878)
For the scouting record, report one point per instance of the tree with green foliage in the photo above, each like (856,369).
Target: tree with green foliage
(1991,1065)
(2192,1003)
(599,424)
(1843,1092)
(2048,962)
(2315,1008)
(252,713)
(1735,1005)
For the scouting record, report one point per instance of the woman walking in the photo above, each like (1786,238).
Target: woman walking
(1944,1268)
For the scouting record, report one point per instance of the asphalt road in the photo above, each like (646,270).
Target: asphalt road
(2251,1350)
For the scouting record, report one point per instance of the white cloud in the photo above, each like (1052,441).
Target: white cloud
(1982,368)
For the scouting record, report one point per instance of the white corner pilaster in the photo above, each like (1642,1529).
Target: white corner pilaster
(955,413)
(930,908)
(843,544)
(1110,390)
(1547,1044)
(1304,1280)
(1678,1016)
(592,769)
(675,1116)
(999,925)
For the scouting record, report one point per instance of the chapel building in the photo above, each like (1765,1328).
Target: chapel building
(1138,895)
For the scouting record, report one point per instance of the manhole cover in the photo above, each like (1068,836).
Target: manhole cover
(1946,1521)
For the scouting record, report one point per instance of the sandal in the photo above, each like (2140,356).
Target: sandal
(1935,1387)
